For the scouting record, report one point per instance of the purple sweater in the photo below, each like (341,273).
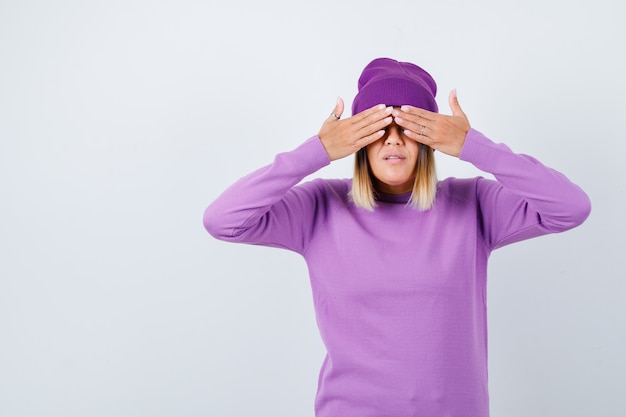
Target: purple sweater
(399,294)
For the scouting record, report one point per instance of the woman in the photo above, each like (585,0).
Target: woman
(398,260)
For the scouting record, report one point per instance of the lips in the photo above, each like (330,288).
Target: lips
(393,157)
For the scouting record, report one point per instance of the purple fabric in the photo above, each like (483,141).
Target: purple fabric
(387,81)
(399,294)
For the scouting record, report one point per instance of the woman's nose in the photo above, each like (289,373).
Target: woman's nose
(394,136)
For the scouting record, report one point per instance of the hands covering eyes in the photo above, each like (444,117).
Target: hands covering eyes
(441,132)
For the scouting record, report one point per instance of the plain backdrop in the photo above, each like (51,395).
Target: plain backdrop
(120,121)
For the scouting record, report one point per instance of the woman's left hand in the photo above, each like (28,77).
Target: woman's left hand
(439,131)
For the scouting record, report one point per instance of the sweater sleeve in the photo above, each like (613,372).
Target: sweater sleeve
(266,207)
(527,199)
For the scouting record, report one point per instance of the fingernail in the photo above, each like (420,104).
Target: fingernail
(395,112)
(389,109)
(388,119)
(381,106)
(404,108)
(399,120)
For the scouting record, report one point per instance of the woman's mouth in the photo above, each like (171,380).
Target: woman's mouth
(393,158)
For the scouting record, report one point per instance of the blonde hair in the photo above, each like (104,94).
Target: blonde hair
(424,190)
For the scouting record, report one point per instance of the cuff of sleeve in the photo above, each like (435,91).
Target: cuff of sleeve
(479,150)
(309,156)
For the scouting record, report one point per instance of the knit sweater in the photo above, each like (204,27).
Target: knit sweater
(399,294)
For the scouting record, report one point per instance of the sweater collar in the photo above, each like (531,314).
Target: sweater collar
(393,198)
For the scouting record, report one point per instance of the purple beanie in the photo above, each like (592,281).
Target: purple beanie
(395,83)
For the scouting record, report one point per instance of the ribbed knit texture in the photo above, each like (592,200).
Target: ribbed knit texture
(395,83)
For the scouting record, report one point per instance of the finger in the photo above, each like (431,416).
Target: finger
(373,113)
(372,116)
(413,124)
(338,110)
(453,101)
(421,136)
(419,112)
(374,127)
(371,138)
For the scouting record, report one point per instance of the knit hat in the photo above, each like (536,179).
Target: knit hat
(395,83)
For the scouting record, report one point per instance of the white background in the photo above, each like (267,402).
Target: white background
(121,120)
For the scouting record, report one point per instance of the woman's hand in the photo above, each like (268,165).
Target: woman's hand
(441,132)
(345,137)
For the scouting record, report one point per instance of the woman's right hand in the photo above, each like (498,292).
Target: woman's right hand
(345,137)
